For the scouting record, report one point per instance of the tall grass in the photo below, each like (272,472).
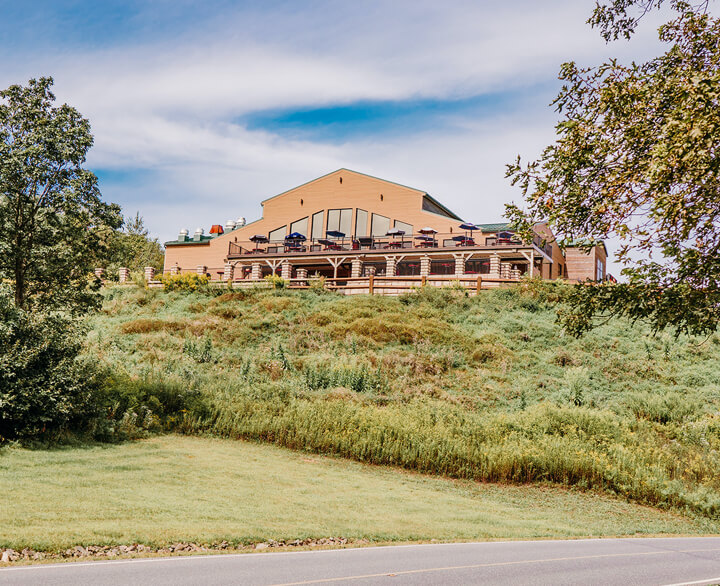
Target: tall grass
(483,388)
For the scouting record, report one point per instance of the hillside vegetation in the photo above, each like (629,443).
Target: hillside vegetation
(485,388)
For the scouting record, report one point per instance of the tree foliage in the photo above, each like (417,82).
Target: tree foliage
(637,158)
(132,247)
(44,389)
(51,214)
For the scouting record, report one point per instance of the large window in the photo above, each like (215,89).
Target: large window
(599,270)
(380,225)
(442,267)
(278,233)
(340,221)
(430,205)
(300,226)
(361,223)
(408,268)
(478,266)
(317,225)
(407,228)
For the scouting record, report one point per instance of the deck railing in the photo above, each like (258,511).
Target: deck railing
(351,244)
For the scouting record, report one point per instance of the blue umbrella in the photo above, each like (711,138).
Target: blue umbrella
(335,234)
(469,226)
(295,236)
(460,238)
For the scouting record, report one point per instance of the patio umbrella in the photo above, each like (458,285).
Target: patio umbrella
(296,236)
(325,242)
(468,226)
(461,238)
(259,238)
(427,230)
(396,232)
(335,234)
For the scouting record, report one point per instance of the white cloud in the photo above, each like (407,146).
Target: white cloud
(168,106)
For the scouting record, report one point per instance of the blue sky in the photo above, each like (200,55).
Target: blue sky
(201,110)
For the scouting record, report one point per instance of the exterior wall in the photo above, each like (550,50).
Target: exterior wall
(344,189)
(582,265)
(551,271)
(355,191)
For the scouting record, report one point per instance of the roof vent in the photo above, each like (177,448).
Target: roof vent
(240,222)
(230,225)
(198,234)
(183,236)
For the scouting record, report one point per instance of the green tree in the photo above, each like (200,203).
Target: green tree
(133,247)
(44,389)
(51,214)
(636,158)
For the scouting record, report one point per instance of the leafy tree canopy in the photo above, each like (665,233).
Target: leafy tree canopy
(132,247)
(636,158)
(51,214)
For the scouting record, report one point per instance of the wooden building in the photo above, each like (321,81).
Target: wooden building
(347,227)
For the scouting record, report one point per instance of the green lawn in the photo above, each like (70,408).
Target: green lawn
(175,488)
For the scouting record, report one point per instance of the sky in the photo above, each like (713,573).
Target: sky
(201,110)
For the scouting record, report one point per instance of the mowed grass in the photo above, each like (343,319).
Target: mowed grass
(175,488)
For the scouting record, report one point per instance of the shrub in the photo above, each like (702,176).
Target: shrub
(185,282)
(44,388)
(134,407)
(275,281)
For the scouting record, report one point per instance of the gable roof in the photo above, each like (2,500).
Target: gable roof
(341,169)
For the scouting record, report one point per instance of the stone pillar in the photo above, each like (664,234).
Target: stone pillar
(99,273)
(514,273)
(301,274)
(174,270)
(356,270)
(228,272)
(256,271)
(370,270)
(424,266)
(286,270)
(201,269)
(459,266)
(390,269)
(123,275)
(505,270)
(149,273)
(494,266)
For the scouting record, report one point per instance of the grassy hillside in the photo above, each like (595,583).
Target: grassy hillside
(169,489)
(484,388)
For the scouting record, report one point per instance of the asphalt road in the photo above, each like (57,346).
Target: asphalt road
(661,561)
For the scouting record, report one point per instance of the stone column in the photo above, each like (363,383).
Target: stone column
(256,271)
(459,266)
(149,273)
(514,273)
(504,270)
(302,274)
(228,272)
(174,270)
(424,266)
(356,270)
(494,266)
(390,268)
(286,270)
(123,275)
(201,269)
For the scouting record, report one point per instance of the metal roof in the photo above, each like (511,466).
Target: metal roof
(494,227)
